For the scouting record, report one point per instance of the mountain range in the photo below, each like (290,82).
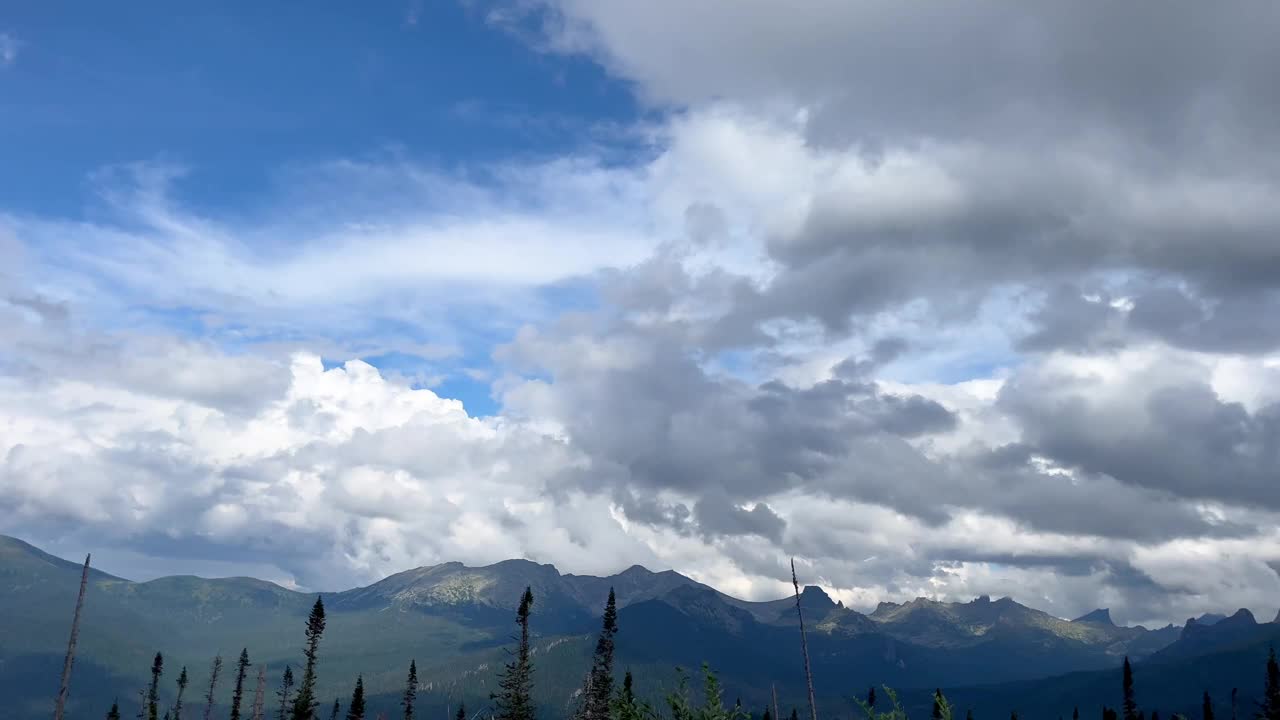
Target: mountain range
(455,620)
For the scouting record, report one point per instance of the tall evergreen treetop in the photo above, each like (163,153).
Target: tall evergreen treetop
(871,697)
(410,690)
(514,700)
(182,688)
(1130,704)
(114,712)
(795,714)
(600,690)
(941,711)
(355,709)
(284,693)
(305,703)
(153,690)
(1269,708)
(462,712)
(238,695)
(1206,707)
(337,708)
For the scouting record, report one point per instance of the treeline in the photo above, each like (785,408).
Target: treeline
(598,698)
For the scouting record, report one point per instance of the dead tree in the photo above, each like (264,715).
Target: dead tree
(65,686)
(804,645)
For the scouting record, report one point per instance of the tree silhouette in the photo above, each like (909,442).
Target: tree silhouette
(213,684)
(305,704)
(153,690)
(286,689)
(238,695)
(355,709)
(182,688)
(410,690)
(514,699)
(1130,704)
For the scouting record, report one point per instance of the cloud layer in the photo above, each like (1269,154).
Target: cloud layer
(943,301)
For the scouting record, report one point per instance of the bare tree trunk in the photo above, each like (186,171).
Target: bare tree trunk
(258,693)
(65,686)
(213,684)
(776,716)
(804,645)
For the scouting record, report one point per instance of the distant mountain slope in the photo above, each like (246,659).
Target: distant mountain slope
(454,620)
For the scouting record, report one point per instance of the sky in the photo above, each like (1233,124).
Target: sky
(941,299)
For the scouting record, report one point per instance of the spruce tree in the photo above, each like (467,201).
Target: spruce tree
(596,701)
(238,695)
(153,690)
(410,690)
(355,709)
(114,712)
(1130,704)
(628,707)
(213,684)
(286,688)
(871,697)
(514,700)
(182,688)
(795,714)
(305,703)
(1206,707)
(1269,708)
(767,715)
(940,706)
(1108,713)
(462,712)
(337,708)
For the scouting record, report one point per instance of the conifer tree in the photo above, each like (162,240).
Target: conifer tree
(213,684)
(355,708)
(1013,715)
(153,690)
(410,690)
(1130,704)
(628,707)
(871,697)
(286,688)
(1108,713)
(514,699)
(767,715)
(1269,708)
(114,712)
(305,703)
(337,708)
(462,712)
(795,714)
(596,699)
(1075,713)
(237,696)
(182,688)
(968,714)
(1155,715)
(941,709)
(1206,707)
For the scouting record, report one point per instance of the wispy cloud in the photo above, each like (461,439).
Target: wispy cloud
(9,46)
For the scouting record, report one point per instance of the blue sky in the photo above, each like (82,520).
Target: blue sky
(237,91)
(923,295)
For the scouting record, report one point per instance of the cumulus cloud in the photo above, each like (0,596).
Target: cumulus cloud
(944,300)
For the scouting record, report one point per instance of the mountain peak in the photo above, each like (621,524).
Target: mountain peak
(1101,616)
